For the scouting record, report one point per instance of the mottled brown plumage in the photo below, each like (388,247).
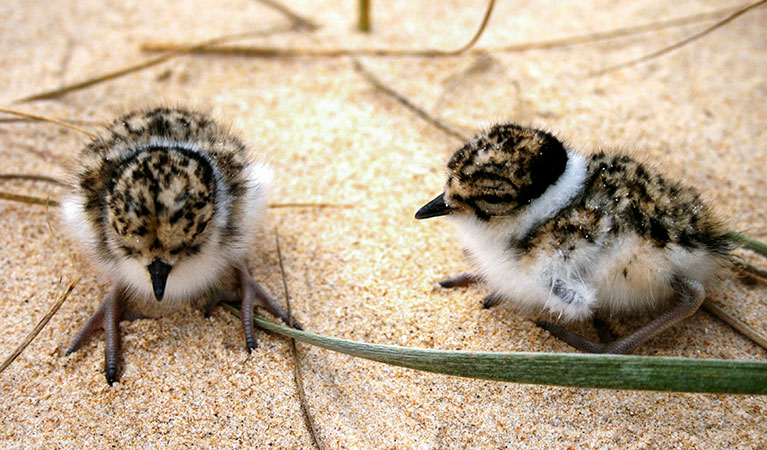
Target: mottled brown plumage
(620,195)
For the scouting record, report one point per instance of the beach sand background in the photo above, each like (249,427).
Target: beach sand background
(367,272)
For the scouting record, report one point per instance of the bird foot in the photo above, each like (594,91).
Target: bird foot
(464,279)
(690,295)
(252,294)
(108,316)
(608,345)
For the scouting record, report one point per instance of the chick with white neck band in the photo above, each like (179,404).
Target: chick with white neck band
(578,236)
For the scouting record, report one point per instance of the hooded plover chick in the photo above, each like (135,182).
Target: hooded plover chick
(578,236)
(166,200)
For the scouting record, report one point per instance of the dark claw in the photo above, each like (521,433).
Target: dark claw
(464,279)
(447,284)
(111,375)
(251,342)
(130,316)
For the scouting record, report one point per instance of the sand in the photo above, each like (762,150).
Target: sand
(367,272)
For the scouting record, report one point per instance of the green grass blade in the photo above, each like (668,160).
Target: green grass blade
(558,369)
(746,242)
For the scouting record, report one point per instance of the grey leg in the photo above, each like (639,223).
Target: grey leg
(690,296)
(253,294)
(573,339)
(246,310)
(107,316)
(94,322)
(112,315)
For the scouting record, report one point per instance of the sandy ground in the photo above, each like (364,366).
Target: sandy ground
(367,272)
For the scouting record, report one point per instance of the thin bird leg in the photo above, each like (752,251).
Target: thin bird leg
(112,313)
(94,322)
(575,340)
(690,296)
(464,279)
(107,316)
(271,305)
(246,310)
(253,294)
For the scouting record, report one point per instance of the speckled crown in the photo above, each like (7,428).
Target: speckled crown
(160,202)
(499,172)
(152,183)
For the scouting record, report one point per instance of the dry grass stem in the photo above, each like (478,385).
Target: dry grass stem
(30,177)
(297,375)
(40,325)
(50,202)
(478,34)
(735,323)
(298,21)
(87,123)
(275,52)
(614,33)
(28,199)
(420,112)
(46,119)
(678,44)
(750,269)
(138,67)
(363,19)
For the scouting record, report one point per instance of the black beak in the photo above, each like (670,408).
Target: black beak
(158,272)
(434,208)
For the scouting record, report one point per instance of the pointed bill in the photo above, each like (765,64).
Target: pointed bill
(158,272)
(434,208)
